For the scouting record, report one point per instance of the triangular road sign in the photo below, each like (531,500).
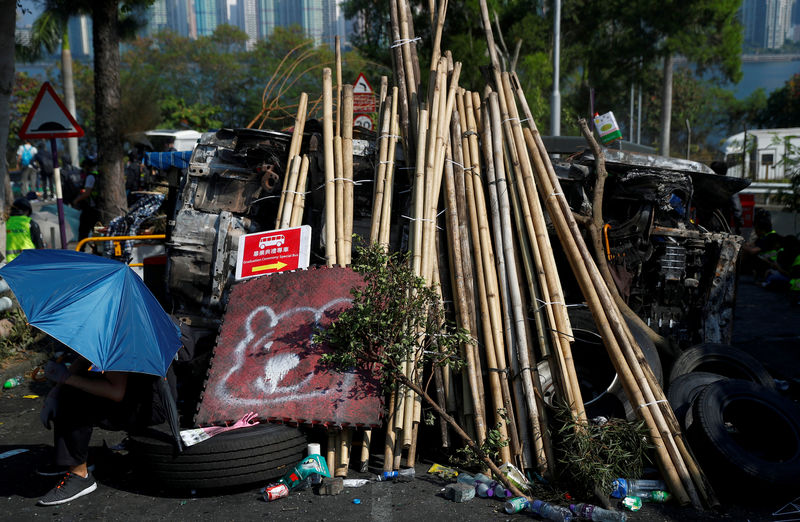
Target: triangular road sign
(362,86)
(49,118)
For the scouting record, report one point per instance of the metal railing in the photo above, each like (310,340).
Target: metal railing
(117,240)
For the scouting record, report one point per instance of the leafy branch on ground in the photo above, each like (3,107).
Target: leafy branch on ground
(396,317)
(593,456)
(22,335)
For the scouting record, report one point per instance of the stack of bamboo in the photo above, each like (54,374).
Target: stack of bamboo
(481,173)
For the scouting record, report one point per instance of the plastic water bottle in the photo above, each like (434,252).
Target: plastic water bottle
(501,492)
(466,478)
(598,514)
(551,512)
(407,473)
(13,382)
(484,490)
(635,487)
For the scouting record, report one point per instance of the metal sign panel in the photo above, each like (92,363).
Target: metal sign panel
(363,96)
(49,118)
(265,362)
(364,121)
(273,251)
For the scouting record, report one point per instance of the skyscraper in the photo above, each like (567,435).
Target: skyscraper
(209,14)
(317,18)
(767,23)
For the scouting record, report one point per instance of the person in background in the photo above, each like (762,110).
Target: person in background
(45,163)
(22,232)
(761,253)
(25,154)
(87,199)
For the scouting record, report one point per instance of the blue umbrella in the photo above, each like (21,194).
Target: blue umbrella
(97,306)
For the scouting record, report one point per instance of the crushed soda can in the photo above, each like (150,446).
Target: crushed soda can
(275,491)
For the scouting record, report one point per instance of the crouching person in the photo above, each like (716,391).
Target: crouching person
(83,399)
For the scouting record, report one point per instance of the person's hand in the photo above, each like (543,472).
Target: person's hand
(48,412)
(56,372)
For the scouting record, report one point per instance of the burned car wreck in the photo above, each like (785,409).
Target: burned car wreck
(667,240)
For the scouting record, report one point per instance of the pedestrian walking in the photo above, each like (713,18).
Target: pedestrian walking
(25,156)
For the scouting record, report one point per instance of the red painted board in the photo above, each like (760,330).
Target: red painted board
(265,362)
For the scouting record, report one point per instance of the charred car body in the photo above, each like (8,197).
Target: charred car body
(667,239)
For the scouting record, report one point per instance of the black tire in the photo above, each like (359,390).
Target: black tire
(721,359)
(245,456)
(747,436)
(684,390)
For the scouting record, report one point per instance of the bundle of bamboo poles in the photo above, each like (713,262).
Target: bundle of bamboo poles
(485,178)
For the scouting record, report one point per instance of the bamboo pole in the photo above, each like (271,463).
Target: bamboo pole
(339,195)
(490,275)
(411,75)
(462,262)
(338,60)
(294,148)
(418,193)
(330,450)
(388,193)
(630,351)
(330,188)
(343,455)
(478,253)
(347,174)
(399,71)
(365,443)
(513,316)
(290,187)
(391,434)
(555,303)
(300,196)
(380,171)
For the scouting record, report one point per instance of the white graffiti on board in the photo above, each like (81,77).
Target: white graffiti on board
(277,366)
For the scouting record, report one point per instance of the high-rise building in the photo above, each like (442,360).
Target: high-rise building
(317,18)
(767,23)
(320,20)
(79,30)
(209,14)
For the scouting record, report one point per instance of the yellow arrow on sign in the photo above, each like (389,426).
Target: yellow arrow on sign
(273,266)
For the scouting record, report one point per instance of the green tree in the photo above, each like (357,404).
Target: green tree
(783,106)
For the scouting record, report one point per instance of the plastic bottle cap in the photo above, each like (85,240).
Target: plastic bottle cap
(314,449)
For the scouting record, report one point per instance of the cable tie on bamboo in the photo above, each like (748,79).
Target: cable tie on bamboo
(389,136)
(545,303)
(554,193)
(262,199)
(651,403)
(385,162)
(517,375)
(513,119)
(468,134)
(498,180)
(293,192)
(404,41)
(498,370)
(459,164)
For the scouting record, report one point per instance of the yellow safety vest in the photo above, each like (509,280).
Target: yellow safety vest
(18,236)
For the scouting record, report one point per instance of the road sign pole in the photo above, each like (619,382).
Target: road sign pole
(59,201)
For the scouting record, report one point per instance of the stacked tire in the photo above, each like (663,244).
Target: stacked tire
(253,455)
(745,434)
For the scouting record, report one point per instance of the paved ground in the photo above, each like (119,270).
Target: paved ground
(764,326)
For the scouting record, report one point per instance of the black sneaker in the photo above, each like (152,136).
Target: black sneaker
(54,470)
(71,487)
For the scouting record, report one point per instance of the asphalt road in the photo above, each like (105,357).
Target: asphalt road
(764,326)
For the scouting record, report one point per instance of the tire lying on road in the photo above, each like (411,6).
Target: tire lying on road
(234,458)
(747,437)
(721,359)
(684,390)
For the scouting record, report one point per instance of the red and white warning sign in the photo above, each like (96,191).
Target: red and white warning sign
(363,96)
(49,118)
(273,251)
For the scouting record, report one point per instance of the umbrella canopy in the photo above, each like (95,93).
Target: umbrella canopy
(97,306)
